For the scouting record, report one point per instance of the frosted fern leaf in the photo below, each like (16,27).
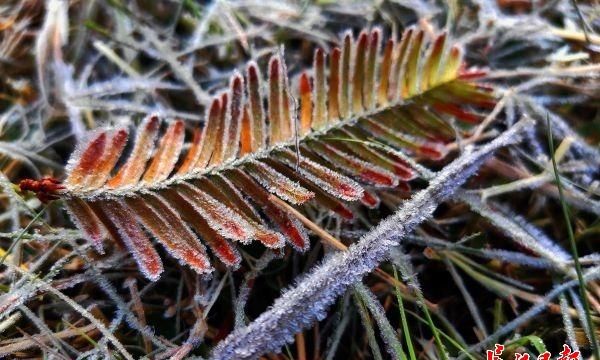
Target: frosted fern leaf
(212,186)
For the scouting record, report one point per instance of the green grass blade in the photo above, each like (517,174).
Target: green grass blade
(405,329)
(434,329)
(364,315)
(565,210)
(18,239)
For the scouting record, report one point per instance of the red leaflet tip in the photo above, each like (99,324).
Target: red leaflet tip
(375,33)
(215,107)
(458,112)
(319,58)
(362,39)
(455,51)
(237,82)
(89,158)
(295,235)
(99,140)
(226,253)
(153,123)
(344,212)
(236,231)
(179,126)
(154,269)
(349,191)
(377,178)
(198,262)
(348,38)
(252,72)
(304,84)
(433,151)
(120,136)
(470,74)
(274,68)
(370,200)
(269,239)
(420,35)
(403,172)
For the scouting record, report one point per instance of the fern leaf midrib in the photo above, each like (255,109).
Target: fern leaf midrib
(145,187)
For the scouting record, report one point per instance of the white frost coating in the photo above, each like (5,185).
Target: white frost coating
(508,256)
(406,137)
(400,66)
(109,139)
(402,261)
(244,289)
(218,215)
(82,145)
(253,121)
(128,231)
(51,37)
(309,300)
(238,194)
(25,289)
(95,241)
(519,230)
(145,150)
(376,79)
(191,235)
(306,169)
(236,261)
(302,230)
(581,312)
(167,165)
(59,11)
(561,130)
(347,81)
(278,184)
(568,322)
(258,224)
(379,155)
(359,162)
(182,247)
(120,85)
(231,149)
(388,334)
(286,94)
